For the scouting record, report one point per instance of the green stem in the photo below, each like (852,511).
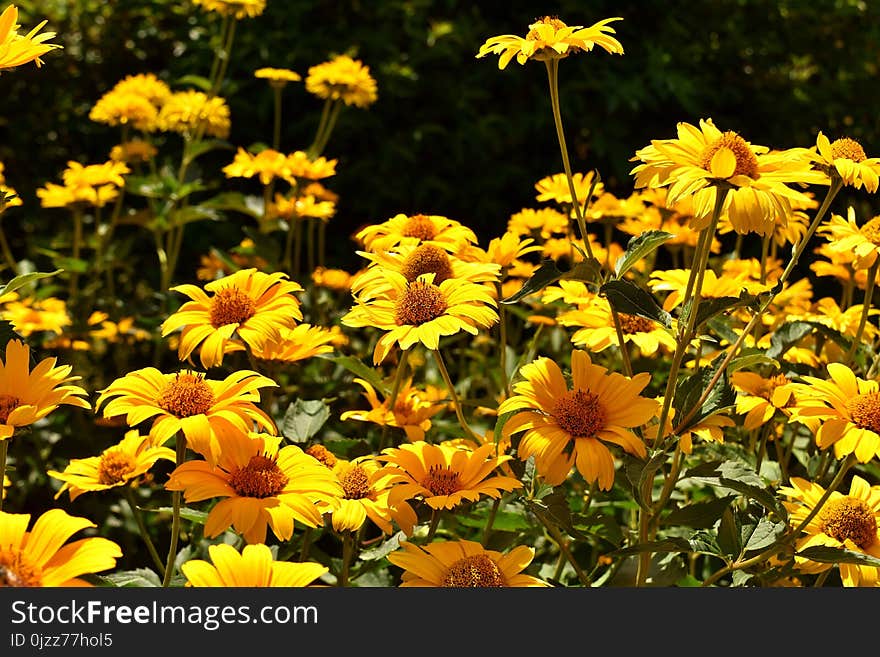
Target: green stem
(322,241)
(4,447)
(310,244)
(322,124)
(866,308)
(347,551)
(395,391)
(276,127)
(215,62)
(319,146)
(455,401)
(175,515)
(487,530)
(297,246)
(553,77)
(560,541)
(502,337)
(624,352)
(435,523)
(306,544)
(224,62)
(138,518)
(75,253)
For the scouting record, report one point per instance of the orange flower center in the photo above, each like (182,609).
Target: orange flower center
(231,306)
(475,571)
(17,570)
(630,324)
(419,226)
(261,477)
(557,24)
(746,161)
(427,259)
(871,231)
(848,149)
(324,455)
(114,467)
(356,483)
(187,394)
(580,413)
(421,303)
(8,403)
(864,410)
(442,480)
(849,518)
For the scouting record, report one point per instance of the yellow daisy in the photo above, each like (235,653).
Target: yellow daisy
(422,312)
(543,222)
(134,150)
(277,77)
(758,398)
(147,85)
(29,395)
(17,49)
(238,9)
(846,158)
(207,411)
(195,113)
(445,476)
(845,236)
(366,488)
(30,316)
(412,412)
(555,188)
(674,281)
(253,567)
(296,344)
(249,304)
(267,165)
(118,465)
(303,166)
(463,564)
(414,229)
(568,426)
(343,78)
(550,38)
(848,521)
(116,108)
(43,557)
(262,485)
(337,280)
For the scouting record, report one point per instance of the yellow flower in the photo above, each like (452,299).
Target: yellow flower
(366,489)
(445,476)
(843,412)
(422,312)
(277,77)
(17,49)
(343,78)
(296,344)
(846,158)
(555,188)
(701,159)
(253,567)
(848,521)
(544,222)
(569,426)
(43,557)
(248,304)
(412,412)
(674,281)
(134,150)
(504,250)
(262,486)
(333,279)
(550,38)
(463,564)
(415,229)
(710,428)
(29,395)
(208,412)
(194,113)
(121,108)
(237,8)
(847,237)
(30,316)
(116,466)
(268,164)
(303,166)
(93,184)
(758,398)
(147,85)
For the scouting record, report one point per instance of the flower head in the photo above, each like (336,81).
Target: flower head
(277,77)
(254,566)
(366,494)
(194,112)
(412,412)
(845,157)
(416,229)
(343,78)
(17,49)
(238,9)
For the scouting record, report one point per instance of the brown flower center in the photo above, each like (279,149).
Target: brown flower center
(427,259)
(356,483)
(8,403)
(114,466)
(848,149)
(421,226)
(557,24)
(849,518)
(261,477)
(475,571)
(580,413)
(324,455)
(768,387)
(630,324)
(442,480)
(864,410)
(746,161)
(187,394)
(231,306)
(871,231)
(17,570)
(421,303)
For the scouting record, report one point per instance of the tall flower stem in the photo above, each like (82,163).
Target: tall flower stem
(4,447)
(276,125)
(624,351)
(866,308)
(395,391)
(502,337)
(138,518)
(487,530)
(347,552)
(435,523)
(459,413)
(175,515)
(74,254)
(321,140)
(553,78)
(225,56)
(562,543)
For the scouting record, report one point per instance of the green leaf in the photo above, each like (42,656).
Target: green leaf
(198,81)
(748,361)
(543,276)
(765,534)
(639,247)
(196,148)
(71,264)
(627,297)
(787,335)
(198,517)
(587,270)
(700,515)
(149,186)
(675,544)
(251,206)
(712,307)
(140,577)
(357,367)
(826,554)
(689,391)
(723,328)
(383,549)
(303,419)
(26,279)
(739,477)
(729,533)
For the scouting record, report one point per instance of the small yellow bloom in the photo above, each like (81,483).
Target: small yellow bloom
(238,9)
(17,49)
(343,78)
(277,77)
(253,567)
(194,113)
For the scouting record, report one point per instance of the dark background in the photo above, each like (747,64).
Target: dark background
(450,134)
